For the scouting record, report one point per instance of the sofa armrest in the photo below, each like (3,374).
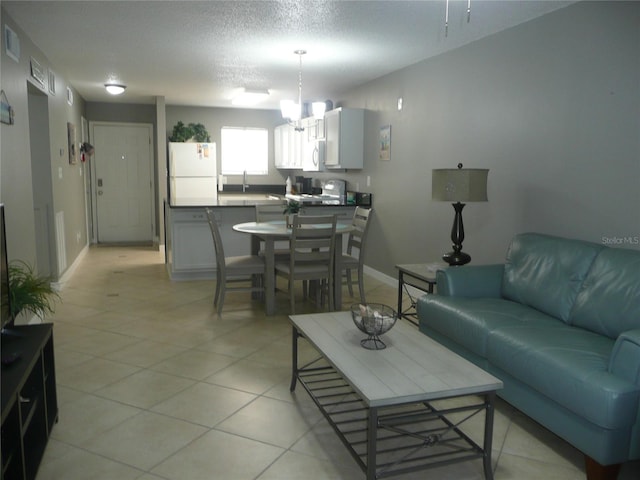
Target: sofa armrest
(625,356)
(470,281)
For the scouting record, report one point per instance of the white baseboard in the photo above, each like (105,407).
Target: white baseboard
(391,281)
(68,273)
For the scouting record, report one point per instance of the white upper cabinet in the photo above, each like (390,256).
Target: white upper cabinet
(344,138)
(288,147)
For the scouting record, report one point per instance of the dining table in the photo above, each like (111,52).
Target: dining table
(271,231)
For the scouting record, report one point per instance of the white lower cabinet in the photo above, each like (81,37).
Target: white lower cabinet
(189,245)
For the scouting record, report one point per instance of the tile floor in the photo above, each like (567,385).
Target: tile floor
(152,384)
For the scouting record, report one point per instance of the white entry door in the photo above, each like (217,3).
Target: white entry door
(122,183)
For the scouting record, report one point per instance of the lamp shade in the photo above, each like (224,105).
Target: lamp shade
(459,184)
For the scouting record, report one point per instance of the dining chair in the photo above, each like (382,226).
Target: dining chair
(311,254)
(231,270)
(353,259)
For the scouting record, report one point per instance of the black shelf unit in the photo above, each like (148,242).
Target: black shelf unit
(29,400)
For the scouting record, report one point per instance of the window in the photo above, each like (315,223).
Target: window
(244,149)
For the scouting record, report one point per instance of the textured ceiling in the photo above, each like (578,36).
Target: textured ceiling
(201,53)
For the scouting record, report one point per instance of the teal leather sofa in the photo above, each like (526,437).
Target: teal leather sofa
(559,324)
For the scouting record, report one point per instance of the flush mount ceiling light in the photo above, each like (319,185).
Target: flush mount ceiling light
(291,110)
(250,97)
(114,88)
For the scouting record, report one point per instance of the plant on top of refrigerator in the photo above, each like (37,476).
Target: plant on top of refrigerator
(185,133)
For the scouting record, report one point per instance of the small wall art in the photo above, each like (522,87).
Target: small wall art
(71,141)
(52,83)
(385,142)
(11,43)
(6,111)
(38,72)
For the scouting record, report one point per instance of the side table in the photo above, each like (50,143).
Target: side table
(417,275)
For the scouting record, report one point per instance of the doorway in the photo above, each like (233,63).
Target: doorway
(123,189)
(41,181)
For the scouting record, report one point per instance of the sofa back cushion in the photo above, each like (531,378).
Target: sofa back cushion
(609,301)
(547,272)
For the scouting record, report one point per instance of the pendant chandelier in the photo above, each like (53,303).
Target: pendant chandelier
(293,111)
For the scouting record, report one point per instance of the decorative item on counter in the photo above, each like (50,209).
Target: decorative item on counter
(290,209)
(193,132)
(288,185)
(374,319)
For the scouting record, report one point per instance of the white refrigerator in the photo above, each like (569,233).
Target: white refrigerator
(192,174)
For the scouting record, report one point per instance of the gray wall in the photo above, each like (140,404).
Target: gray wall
(67,181)
(551,107)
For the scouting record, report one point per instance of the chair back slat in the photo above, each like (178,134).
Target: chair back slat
(313,239)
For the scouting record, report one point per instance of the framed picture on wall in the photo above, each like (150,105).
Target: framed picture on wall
(71,137)
(11,43)
(52,83)
(385,142)
(6,111)
(38,72)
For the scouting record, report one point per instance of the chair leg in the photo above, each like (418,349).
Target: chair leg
(349,284)
(330,291)
(216,297)
(361,285)
(320,293)
(221,301)
(292,297)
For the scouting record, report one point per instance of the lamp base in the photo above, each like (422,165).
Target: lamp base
(456,258)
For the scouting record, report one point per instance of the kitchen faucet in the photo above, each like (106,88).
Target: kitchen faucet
(245,185)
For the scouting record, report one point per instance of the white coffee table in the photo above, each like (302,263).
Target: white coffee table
(379,402)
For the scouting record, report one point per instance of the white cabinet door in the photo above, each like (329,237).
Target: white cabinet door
(344,137)
(280,146)
(191,252)
(288,147)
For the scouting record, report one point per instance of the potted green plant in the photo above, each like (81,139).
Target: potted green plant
(290,209)
(30,292)
(193,131)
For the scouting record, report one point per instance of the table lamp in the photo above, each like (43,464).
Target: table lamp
(459,185)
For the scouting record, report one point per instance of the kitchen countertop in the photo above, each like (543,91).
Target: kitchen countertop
(252,199)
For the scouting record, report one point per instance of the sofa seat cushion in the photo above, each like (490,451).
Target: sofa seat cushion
(568,365)
(468,321)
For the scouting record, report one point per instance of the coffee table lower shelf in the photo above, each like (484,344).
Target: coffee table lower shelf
(402,438)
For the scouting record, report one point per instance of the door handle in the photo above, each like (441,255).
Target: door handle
(99,192)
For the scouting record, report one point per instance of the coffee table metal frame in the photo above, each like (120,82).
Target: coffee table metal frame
(398,438)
